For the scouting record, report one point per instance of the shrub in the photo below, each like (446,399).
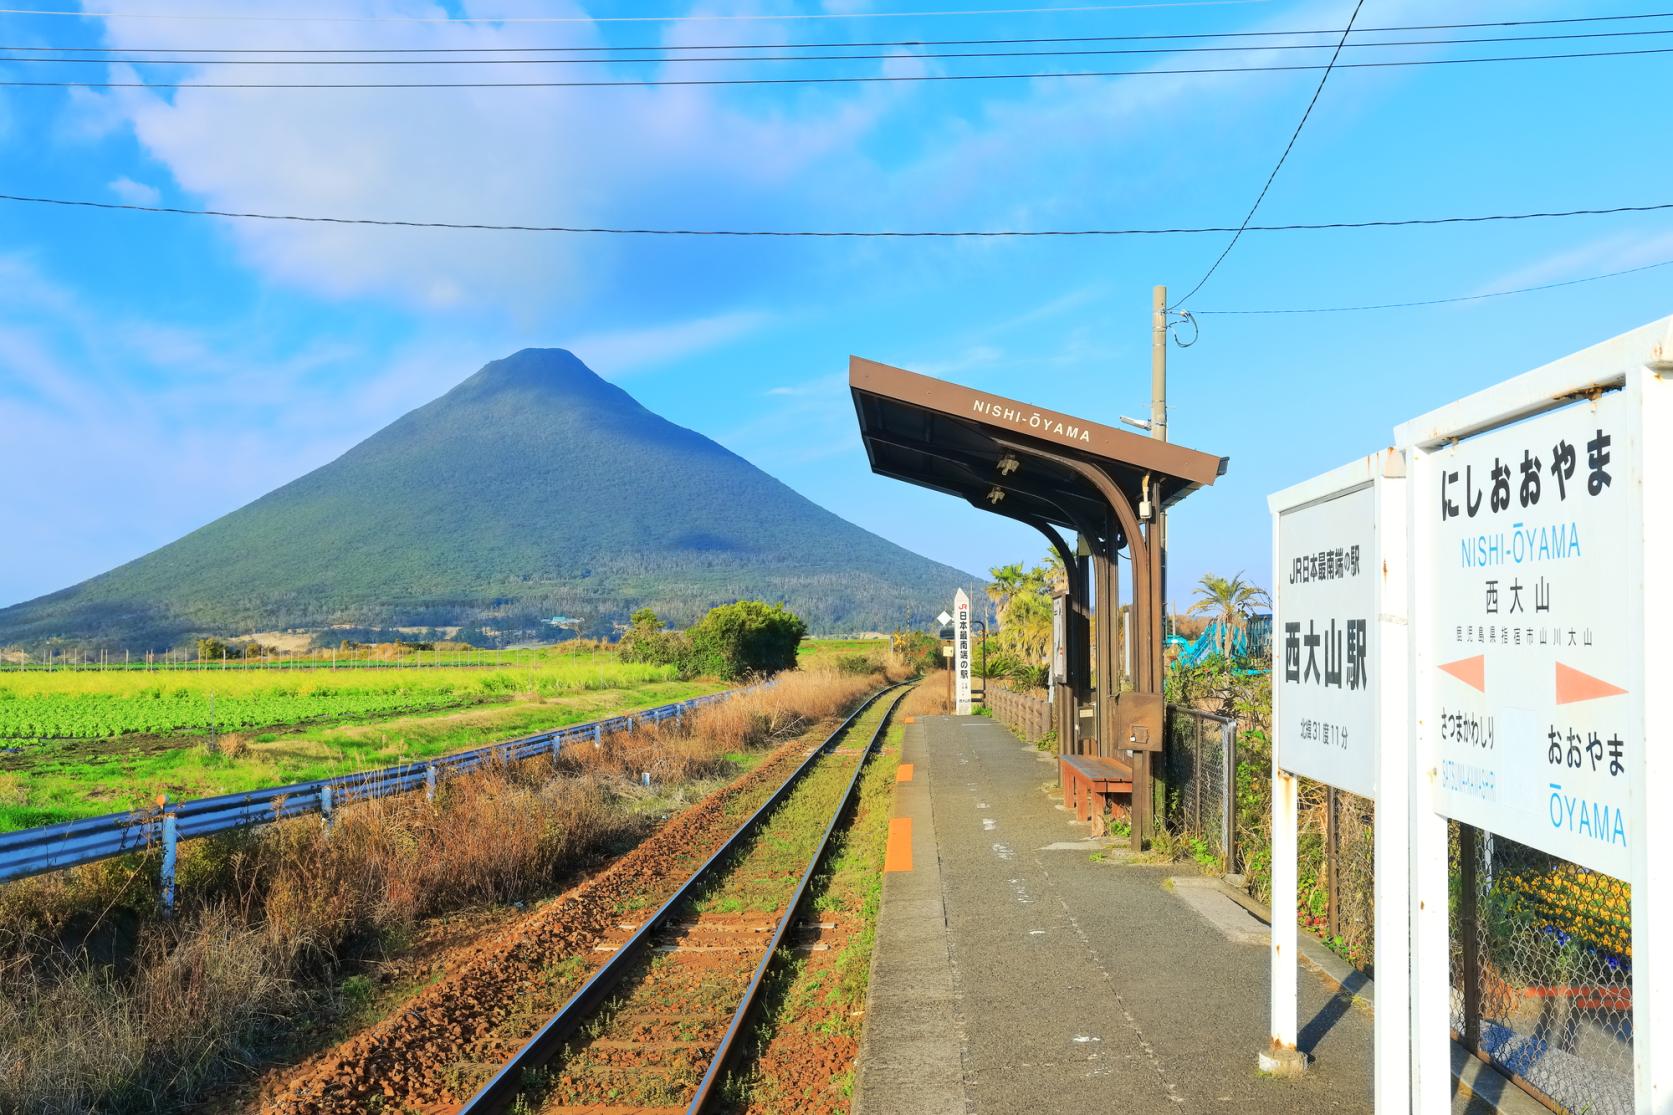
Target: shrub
(647,641)
(748,637)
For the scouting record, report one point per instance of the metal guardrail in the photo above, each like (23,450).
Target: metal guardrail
(72,843)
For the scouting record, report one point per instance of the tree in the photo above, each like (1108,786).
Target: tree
(748,637)
(1229,602)
(211,649)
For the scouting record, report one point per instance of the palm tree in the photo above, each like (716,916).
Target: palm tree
(1056,576)
(1006,582)
(1230,602)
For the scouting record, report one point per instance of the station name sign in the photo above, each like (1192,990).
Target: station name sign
(1042,423)
(1326,605)
(1532,725)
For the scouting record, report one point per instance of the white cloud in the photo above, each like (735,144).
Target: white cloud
(135,193)
(616,353)
(133,432)
(1614,252)
(578,157)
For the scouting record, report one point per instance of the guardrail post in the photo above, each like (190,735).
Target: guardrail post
(325,807)
(557,746)
(598,736)
(430,783)
(170,848)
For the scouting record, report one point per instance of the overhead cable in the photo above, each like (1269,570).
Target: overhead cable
(669,47)
(1436,301)
(926,234)
(788,17)
(895,56)
(857,79)
(1279,165)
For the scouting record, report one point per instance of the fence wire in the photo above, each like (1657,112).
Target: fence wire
(1197,758)
(1542,970)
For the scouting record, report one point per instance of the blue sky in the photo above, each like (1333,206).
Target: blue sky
(157,372)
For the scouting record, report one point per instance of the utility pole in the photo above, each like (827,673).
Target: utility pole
(1159,420)
(1158,550)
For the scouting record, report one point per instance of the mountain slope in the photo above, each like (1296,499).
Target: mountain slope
(533,488)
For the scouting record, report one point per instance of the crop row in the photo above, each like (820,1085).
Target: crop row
(87,717)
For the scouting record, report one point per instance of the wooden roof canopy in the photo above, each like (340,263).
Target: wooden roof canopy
(1008,457)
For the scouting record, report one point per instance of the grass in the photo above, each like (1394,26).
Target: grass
(38,706)
(44,781)
(107,1006)
(804,1000)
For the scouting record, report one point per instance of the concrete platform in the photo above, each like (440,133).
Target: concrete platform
(1023,967)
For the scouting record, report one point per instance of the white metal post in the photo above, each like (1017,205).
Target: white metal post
(1431,957)
(170,847)
(325,807)
(1283,1057)
(1651,540)
(1392,1088)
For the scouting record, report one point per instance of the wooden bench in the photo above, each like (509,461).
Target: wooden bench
(1091,783)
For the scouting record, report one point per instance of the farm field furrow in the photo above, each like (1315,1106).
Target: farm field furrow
(73,705)
(335,725)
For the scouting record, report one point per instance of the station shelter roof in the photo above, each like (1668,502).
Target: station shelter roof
(1008,457)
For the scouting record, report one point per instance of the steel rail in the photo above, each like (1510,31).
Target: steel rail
(500,1092)
(26,852)
(711,1079)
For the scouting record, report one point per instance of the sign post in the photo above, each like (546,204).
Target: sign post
(1542,505)
(961,653)
(1339,694)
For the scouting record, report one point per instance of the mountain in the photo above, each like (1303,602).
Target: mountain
(533,489)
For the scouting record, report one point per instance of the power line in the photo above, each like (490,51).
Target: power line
(877,43)
(859,79)
(1279,165)
(1438,301)
(833,233)
(716,18)
(665,60)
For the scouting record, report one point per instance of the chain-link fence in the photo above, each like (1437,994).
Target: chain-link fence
(1197,768)
(1541,971)
(1541,947)
(1335,847)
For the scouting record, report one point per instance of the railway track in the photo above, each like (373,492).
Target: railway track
(653,1029)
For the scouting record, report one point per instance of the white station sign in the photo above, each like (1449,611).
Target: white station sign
(961,653)
(1533,727)
(1324,629)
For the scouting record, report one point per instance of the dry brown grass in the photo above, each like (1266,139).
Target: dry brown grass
(928,699)
(106,1006)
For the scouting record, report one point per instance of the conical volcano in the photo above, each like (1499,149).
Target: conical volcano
(531,490)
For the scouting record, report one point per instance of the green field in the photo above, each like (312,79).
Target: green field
(82,744)
(85,705)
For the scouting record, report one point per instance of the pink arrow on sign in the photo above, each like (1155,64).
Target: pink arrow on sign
(1470,671)
(1572,686)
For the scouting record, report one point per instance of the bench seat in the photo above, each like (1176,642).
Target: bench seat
(1091,783)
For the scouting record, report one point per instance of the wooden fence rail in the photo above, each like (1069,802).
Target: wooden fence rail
(1026,714)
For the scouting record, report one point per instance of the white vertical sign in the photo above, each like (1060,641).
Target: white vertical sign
(1339,684)
(1531,718)
(1324,621)
(1543,505)
(961,653)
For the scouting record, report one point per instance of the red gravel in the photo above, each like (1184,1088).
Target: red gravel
(455,1033)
